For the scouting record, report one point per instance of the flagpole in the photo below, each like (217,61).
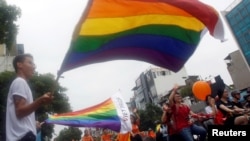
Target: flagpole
(56,81)
(54,87)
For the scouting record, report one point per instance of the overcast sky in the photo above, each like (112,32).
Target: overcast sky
(45,29)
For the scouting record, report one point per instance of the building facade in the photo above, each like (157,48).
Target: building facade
(5,60)
(237,17)
(154,83)
(238,70)
(7,56)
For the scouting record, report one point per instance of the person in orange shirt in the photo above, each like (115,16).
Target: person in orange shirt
(151,133)
(135,121)
(143,134)
(87,136)
(106,136)
(123,137)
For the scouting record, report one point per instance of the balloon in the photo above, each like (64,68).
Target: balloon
(201,89)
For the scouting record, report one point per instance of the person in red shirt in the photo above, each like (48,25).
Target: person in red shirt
(181,114)
(167,119)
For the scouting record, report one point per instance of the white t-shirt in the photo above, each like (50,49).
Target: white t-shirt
(16,128)
(208,109)
(164,130)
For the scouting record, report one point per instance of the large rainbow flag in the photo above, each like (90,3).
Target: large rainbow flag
(162,32)
(113,114)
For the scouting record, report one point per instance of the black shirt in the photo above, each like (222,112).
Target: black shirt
(229,105)
(238,104)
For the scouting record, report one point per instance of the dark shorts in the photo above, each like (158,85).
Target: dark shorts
(175,137)
(230,120)
(137,137)
(28,137)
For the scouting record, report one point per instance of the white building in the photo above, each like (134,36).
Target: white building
(5,60)
(154,83)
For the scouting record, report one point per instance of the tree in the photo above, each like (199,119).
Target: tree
(186,91)
(8,28)
(69,134)
(149,116)
(39,84)
(5,80)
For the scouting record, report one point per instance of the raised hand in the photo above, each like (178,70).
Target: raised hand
(47,98)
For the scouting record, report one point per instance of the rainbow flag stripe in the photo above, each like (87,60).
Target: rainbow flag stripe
(113,114)
(161,32)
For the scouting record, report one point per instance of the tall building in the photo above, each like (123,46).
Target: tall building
(238,70)
(237,17)
(7,56)
(154,83)
(19,49)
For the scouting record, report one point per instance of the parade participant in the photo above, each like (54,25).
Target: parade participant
(247,99)
(20,110)
(87,136)
(106,136)
(123,136)
(233,115)
(167,119)
(135,121)
(181,116)
(247,104)
(151,133)
(236,97)
(161,131)
(210,110)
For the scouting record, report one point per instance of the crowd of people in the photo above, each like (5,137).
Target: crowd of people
(184,125)
(178,121)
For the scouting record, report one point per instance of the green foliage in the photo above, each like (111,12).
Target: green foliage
(186,91)
(40,84)
(149,116)
(5,80)
(68,134)
(8,28)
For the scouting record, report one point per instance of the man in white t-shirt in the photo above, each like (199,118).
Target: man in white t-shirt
(20,116)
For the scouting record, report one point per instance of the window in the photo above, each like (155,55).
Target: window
(138,82)
(154,76)
(148,77)
(163,73)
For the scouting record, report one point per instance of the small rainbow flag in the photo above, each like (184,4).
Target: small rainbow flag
(162,32)
(113,114)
